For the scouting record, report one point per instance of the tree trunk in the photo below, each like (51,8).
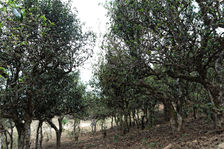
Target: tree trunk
(216,92)
(93,125)
(103,128)
(130,121)
(122,125)
(180,114)
(112,122)
(1,140)
(143,122)
(151,116)
(58,131)
(58,139)
(179,122)
(6,140)
(37,134)
(126,127)
(166,111)
(145,113)
(11,134)
(172,117)
(195,112)
(134,119)
(41,137)
(76,129)
(138,121)
(216,97)
(23,134)
(116,121)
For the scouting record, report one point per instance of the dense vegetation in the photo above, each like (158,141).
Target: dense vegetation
(157,52)
(163,52)
(42,44)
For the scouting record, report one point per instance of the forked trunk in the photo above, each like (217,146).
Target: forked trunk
(176,120)
(58,131)
(23,134)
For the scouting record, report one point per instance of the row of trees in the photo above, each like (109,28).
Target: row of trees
(41,46)
(166,52)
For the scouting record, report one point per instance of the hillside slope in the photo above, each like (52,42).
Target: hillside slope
(196,135)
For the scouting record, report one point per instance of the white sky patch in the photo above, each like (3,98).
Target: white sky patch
(93,15)
(220,31)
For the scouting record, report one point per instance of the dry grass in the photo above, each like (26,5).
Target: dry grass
(49,136)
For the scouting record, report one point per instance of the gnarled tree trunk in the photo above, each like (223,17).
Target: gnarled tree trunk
(58,131)
(24,133)
(76,129)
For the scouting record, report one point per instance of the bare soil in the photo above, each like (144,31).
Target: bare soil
(197,134)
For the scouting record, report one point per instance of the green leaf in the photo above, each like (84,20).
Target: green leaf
(1,24)
(64,121)
(4,9)
(142,9)
(2,68)
(20,80)
(51,23)
(43,17)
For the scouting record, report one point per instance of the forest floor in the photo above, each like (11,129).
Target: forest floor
(197,134)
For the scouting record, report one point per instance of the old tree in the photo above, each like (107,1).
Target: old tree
(164,51)
(41,43)
(157,52)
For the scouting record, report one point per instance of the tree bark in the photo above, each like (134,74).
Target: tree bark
(24,133)
(166,111)
(130,120)
(76,129)
(116,120)
(1,140)
(11,134)
(138,121)
(37,134)
(134,119)
(58,131)
(216,98)
(112,122)
(6,140)
(126,127)
(143,122)
(41,137)
(151,116)
(58,138)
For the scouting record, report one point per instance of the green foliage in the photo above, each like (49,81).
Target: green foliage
(64,121)
(39,57)
(162,52)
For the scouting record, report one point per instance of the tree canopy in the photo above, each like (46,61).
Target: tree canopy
(164,51)
(42,43)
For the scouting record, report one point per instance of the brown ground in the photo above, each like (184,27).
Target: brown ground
(197,134)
